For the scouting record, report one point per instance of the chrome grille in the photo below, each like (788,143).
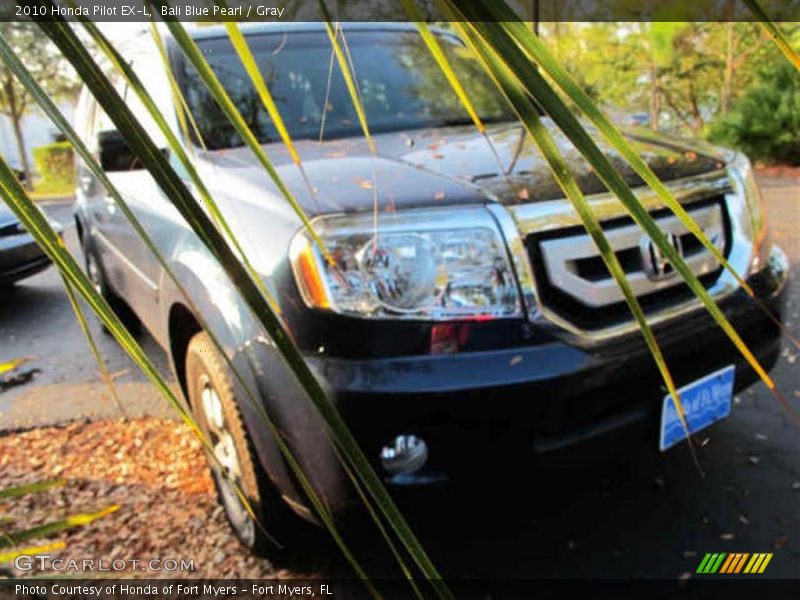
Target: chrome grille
(574,287)
(573,266)
(526,226)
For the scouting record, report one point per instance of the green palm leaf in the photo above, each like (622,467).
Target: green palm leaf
(529,116)
(154,161)
(344,68)
(183,112)
(18,537)
(31,551)
(101,364)
(53,246)
(541,56)
(135,84)
(12,365)
(441,59)
(436,51)
(204,70)
(537,87)
(251,67)
(31,488)
(774,32)
(52,111)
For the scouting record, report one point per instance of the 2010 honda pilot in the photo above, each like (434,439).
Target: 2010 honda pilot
(469,319)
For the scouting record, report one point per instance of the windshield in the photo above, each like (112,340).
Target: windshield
(400,84)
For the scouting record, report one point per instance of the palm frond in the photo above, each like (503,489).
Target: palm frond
(228,107)
(30,215)
(57,117)
(13,365)
(529,116)
(537,87)
(154,161)
(98,357)
(6,557)
(18,537)
(31,488)
(135,84)
(774,32)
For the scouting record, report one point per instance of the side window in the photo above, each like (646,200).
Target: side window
(112,150)
(150,70)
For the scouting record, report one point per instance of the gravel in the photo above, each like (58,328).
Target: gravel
(154,469)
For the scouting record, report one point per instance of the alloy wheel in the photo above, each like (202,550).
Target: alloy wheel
(226,466)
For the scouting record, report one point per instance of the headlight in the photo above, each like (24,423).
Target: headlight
(419,264)
(755,226)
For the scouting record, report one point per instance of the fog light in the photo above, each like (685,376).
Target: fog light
(405,455)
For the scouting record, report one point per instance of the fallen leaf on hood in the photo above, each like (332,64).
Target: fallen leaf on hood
(365,184)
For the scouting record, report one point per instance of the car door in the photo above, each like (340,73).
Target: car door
(103,214)
(115,239)
(152,209)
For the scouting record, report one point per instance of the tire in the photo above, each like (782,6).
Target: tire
(209,383)
(96,274)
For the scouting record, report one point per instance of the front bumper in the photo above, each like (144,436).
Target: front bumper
(490,411)
(21,257)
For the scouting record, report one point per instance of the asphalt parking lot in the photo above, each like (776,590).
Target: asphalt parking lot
(649,515)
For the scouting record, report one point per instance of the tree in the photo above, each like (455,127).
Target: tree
(683,75)
(660,38)
(48,67)
(765,121)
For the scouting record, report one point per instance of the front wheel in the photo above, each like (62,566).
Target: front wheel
(263,522)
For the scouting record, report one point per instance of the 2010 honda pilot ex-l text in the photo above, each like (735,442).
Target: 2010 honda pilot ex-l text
(469,324)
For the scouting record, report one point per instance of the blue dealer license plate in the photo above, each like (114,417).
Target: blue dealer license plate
(704,401)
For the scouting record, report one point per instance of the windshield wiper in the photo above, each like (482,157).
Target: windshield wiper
(457,121)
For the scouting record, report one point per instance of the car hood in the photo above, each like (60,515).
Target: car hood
(453,165)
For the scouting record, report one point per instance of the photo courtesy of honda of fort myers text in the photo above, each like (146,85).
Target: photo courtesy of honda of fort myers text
(399,299)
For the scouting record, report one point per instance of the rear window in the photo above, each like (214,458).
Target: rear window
(400,84)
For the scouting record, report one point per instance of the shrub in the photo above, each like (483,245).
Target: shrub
(765,122)
(56,165)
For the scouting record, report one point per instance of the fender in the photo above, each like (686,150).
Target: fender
(264,372)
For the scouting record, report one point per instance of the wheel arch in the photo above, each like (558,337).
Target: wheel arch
(182,326)
(254,358)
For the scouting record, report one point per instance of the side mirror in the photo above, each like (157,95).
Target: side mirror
(115,154)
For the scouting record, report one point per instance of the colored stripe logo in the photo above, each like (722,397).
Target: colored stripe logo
(737,562)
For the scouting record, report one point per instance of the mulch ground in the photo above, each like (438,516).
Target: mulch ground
(154,469)
(777,170)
